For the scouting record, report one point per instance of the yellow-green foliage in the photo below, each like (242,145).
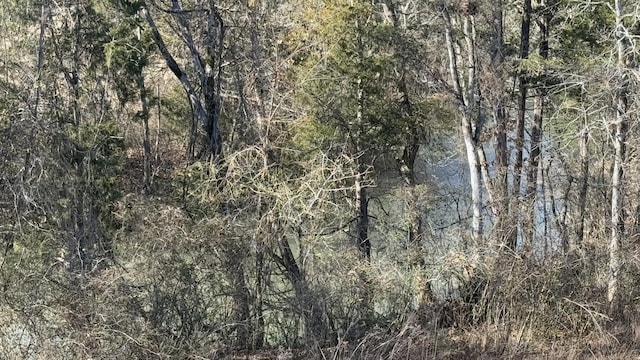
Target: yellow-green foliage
(535,65)
(311,134)
(348,67)
(176,112)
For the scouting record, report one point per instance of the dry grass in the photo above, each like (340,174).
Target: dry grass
(527,312)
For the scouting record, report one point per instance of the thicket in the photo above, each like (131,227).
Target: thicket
(304,179)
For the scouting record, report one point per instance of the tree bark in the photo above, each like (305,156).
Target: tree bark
(362,222)
(499,194)
(315,327)
(534,173)
(360,188)
(471,123)
(44,21)
(584,187)
(209,70)
(619,142)
(262,129)
(525,28)
(406,163)
(241,298)
(147,161)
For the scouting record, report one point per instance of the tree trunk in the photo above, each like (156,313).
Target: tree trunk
(258,306)
(584,186)
(262,124)
(213,79)
(619,143)
(312,312)
(362,222)
(206,105)
(617,187)
(525,28)
(534,173)
(241,299)
(406,163)
(147,168)
(471,129)
(360,188)
(499,194)
(475,180)
(44,21)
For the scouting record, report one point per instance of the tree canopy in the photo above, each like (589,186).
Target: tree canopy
(313,179)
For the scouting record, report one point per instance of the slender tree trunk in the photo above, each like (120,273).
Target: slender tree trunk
(313,315)
(499,194)
(205,105)
(475,180)
(525,28)
(362,222)
(617,192)
(471,123)
(213,80)
(619,143)
(262,124)
(361,200)
(584,186)
(535,142)
(258,306)
(241,298)
(534,173)
(147,168)
(77,247)
(44,21)
(559,213)
(472,129)
(407,166)
(410,152)
(147,157)
(413,210)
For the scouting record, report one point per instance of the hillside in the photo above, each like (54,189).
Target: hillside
(319,179)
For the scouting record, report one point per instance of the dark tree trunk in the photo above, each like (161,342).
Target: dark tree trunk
(206,103)
(584,187)
(147,161)
(497,94)
(312,312)
(410,152)
(241,299)
(362,222)
(534,172)
(525,28)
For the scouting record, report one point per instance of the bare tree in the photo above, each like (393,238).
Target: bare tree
(203,87)
(466,96)
(523,86)
(621,126)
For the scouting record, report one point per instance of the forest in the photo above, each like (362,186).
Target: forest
(319,179)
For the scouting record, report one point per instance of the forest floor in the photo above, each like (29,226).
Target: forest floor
(455,344)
